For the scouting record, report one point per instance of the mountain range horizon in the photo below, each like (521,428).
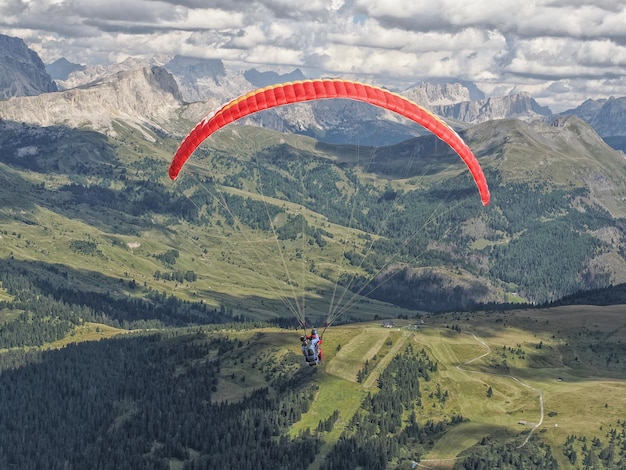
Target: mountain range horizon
(208,80)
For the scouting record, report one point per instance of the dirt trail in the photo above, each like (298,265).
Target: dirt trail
(449,462)
(516,379)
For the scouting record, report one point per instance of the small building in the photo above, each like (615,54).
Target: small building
(388,324)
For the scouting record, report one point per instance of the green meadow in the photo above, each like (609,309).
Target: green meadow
(490,368)
(541,391)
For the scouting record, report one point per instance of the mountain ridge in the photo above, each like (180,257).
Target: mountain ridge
(207,80)
(22,72)
(606,116)
(145,97)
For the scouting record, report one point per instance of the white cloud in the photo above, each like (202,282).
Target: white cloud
(552,48)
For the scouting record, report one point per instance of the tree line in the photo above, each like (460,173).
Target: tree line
(387,428)
(48,309)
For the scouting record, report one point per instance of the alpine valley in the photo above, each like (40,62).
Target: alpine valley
(135,293)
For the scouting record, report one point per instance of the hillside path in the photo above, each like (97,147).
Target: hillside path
(516,379)
(435,464)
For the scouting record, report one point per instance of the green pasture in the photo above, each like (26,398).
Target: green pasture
(363,346)
(4,295)
(469,362)
(579,398)
(86,332)
(572,404)
(7,315)
(462,436)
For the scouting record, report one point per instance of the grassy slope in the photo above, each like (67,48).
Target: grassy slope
(238,268)
(575,405)
(534,152)
(33,232)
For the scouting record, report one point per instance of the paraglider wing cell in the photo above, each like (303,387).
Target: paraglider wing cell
(307,90)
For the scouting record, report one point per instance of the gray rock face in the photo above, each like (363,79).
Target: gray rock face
(608,117)
(144,97)
(206,84)
(61,69)
(519,106)
(22,73)
(438,94)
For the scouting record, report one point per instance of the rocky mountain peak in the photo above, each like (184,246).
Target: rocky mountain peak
(520,105)
(61,69)
(143,97)
(182,65)
(200,79)
(437,94)
(607,116)
(263,79)
(93,73)
(22,73)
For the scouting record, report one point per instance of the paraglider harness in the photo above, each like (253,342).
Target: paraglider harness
(311,349)
(311,353)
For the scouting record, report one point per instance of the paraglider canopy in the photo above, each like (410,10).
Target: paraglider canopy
(307,90)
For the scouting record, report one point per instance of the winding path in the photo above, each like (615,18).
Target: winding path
(536,426)
(424,462)
(540,405)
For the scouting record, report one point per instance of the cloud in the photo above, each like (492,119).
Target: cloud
(551,48)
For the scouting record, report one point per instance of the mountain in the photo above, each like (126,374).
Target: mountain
(557,192)
(61,69)
(337,121)
(606,116)
(437,94)
(471,91)
(519,106)
(207,84)
(563,153)
(93,73)
(149,323)
(199,79)
(146,97)
(554,227)
(463,102)
(557,201)
(263,79)
(22,73)
(195,67)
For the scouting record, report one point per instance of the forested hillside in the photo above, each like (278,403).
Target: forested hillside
(144,401)
(256,210)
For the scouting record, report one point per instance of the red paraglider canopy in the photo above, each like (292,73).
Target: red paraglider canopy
(308,90)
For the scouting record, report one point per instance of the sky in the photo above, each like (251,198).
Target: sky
(562,52)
